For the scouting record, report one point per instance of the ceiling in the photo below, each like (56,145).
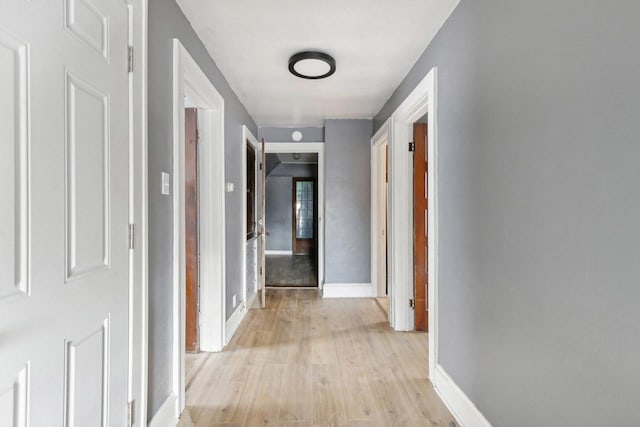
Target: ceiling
(374,43)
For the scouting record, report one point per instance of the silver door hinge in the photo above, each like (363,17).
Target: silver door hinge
(412,303)
(132,236)
(412,146)
(130,413)
(130,59)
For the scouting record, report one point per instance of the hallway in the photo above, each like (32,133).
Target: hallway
(311,361)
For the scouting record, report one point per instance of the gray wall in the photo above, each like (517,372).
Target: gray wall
(166,21)
(283,134)
(278,203)
(539,191)
(348,201)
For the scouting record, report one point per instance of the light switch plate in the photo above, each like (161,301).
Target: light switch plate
(230,187)
(166,183)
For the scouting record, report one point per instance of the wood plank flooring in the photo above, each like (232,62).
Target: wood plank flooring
(305,361)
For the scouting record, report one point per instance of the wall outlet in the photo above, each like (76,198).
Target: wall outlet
(234,301)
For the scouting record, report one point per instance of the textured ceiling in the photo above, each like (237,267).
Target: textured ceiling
(374,42)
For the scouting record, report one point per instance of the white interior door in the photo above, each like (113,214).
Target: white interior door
(64,212)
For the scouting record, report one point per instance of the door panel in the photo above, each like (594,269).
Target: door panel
(64,146)
(419,226)
(191,230)
(262,224)
(14,249)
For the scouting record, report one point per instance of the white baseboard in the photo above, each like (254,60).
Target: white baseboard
(347,290)
(462,408)
(267,252)
(251,299)
(167,414)
(231,325)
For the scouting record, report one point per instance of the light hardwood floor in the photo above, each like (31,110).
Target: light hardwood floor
(305,361)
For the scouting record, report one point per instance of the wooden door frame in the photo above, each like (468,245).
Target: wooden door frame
(420,232)
(189,80)
(138,213)
(248,137)
(310,147)
(192,254)
(422,100)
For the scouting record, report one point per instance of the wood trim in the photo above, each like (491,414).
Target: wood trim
(461,407)
(347,290)
(192,344)
(138,213)
(420,282)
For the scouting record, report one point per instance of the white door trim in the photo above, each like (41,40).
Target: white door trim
(309,147)
(189,80)
(138,213)
(423,100)
(378,206)
(247,135)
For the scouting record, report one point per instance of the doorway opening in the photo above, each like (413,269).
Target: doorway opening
(380,218)
(190,82)
(293,215)
(291,218)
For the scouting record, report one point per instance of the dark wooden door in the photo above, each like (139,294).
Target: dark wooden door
(304,227)
(191,229)
(420,232)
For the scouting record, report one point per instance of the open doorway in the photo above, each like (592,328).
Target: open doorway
(192,89)
(291,218)
(380,219)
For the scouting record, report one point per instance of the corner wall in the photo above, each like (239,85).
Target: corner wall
(166,21)
(538,207)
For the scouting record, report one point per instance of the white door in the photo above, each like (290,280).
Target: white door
(63,213)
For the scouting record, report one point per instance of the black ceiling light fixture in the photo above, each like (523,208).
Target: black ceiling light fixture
(312,65)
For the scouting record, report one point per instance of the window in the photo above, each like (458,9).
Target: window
(251,191)
(304,209)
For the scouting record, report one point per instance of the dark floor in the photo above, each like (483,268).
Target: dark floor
(291,271)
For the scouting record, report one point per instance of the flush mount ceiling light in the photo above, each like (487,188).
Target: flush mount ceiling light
(312,65)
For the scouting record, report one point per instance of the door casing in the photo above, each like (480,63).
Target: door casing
(309,147)
(422,100)
(190,81)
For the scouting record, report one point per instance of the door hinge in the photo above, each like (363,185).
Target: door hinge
(132,236)
(260,166)
(130,413)
(130,59)
(261,271)
(412,146)
(412,303)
